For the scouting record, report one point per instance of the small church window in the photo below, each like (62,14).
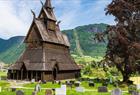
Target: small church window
(51,25)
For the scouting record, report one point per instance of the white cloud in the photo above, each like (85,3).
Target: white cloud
(16,19)
(10,25)
(15,15)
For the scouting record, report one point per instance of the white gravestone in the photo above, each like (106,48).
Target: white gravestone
(38,88)
(61,91)
(80,89)
(33,80)
(138,86)
(116,91)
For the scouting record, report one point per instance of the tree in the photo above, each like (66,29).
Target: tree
(123,47)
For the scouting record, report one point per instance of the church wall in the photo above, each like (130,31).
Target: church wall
(65,75)
(60,75)
(47,76)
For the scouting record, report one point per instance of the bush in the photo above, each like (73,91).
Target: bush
(132,88)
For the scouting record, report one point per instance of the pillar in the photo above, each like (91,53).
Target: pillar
(13,74)
(36,75)
(21,74)
(31,75)
(17,74)
(27,76)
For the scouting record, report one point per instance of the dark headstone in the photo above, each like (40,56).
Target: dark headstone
(69,85)
(59,82)
(135,93)
(102,89)
(116,91)
(48,92)
(72,82)
(77,84)
(19,92)
(13,89)
(53,89)
(91,84)
(34,93)
(44,81)
(53,82)
(67,82)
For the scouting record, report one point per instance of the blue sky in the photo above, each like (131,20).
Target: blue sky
(15,15)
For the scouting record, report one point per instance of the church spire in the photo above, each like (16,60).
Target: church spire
(48,4)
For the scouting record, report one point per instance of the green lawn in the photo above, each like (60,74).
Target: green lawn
(88,90)
(3,73)
(69,92)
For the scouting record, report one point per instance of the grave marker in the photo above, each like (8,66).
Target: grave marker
(80,89)
(48,92)
(61,91)
(102,89)
(34,93)
(116,91)
(38,88)
(19,92)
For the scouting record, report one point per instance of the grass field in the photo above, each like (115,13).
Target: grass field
(3,73)
(88,90)
(29,88)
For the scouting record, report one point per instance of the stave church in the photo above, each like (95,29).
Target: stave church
(47,54)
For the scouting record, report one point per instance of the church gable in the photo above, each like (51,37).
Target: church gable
(33,37)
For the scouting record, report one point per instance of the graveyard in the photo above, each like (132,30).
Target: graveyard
(49,66)
(82,86)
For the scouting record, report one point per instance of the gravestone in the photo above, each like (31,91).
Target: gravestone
(61,91)
(67,82)
(77,84)
(33,80)
(91,84)
(19,92)
(135,93)
(0,88)
(34,93)
(72,82)
(59,82)
(48,92)
(44,81)
(138,86)
(13,89)
(38,88)
(80,89)
(102,89)
(69,85)
(116,91)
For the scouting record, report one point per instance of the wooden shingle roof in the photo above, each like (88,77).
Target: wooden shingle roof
(58,36)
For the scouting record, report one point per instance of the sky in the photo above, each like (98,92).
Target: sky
(16,16)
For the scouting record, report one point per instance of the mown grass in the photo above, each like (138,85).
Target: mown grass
(47,85)
(3,73)
(69,92)
(89,90)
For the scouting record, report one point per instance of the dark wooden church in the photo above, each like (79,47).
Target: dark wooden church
(47,55)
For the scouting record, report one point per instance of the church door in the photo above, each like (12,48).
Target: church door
(54,73)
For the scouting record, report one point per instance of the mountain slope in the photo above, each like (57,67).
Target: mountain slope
(11,49)
(86,43)
(80,39)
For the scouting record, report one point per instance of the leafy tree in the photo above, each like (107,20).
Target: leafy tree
(123,47)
